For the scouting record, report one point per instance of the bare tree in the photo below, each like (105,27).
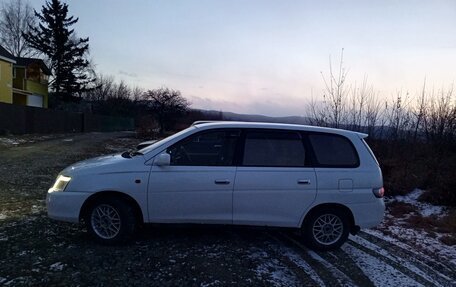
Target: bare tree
(357,112)
(374,119)
(136,93)
(440,119)
(316,111)
(104,87)
(335,93)
(420,112)
(16,18)
(399,117)
(167,105)
(122,91)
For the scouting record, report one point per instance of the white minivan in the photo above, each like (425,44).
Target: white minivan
(325,182)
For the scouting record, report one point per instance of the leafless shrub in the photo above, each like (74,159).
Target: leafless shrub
(439,122)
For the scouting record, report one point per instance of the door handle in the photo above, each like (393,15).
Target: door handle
(303,181)
(222,181)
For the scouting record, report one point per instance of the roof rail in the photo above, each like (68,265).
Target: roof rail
(203,122)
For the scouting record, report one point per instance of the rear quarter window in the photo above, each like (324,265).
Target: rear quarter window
(333,151)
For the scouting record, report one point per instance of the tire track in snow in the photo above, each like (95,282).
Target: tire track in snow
(296,262)
(427,264)
(412,264)
(381,273)
(393,263)
(272,270)
(268,267)
(326,271)
(345,264)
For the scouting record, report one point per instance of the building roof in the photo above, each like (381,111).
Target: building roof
(27,61)
(6,56)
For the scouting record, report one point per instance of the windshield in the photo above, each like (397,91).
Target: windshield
(165,140)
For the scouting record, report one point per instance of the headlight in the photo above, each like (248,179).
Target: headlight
(60,183)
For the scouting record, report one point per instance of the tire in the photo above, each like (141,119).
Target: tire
(111,221)
(326,229)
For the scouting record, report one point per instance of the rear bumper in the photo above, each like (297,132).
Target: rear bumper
(65,205)
(369,214)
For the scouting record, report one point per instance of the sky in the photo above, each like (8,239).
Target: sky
(268,57)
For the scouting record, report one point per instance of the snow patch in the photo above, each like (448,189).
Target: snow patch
(425,209)
(272,271)
(215,283)
(10,141)
(16,281)
(58,266)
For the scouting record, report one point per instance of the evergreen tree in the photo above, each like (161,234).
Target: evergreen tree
(66,53)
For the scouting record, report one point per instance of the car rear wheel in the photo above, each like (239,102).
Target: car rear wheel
(111,221)
(326,229)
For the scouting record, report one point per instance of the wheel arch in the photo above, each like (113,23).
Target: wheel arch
(111,194)
(345,209)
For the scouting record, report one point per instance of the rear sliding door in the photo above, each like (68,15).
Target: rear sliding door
(274,182)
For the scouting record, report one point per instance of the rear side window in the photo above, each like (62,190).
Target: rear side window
(274,149)
(333,151)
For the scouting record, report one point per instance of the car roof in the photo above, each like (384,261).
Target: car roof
(262,125)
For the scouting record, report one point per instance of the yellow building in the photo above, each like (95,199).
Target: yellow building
(6,76)
(23,81)
(30,82)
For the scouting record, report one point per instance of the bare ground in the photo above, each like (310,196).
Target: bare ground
(36,251)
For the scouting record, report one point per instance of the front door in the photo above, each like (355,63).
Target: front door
(198,185)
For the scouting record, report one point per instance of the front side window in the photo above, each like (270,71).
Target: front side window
(213,148)
(333,151)
(274,149)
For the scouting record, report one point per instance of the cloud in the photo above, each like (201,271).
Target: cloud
(124,73)
(281,105)
(214,104)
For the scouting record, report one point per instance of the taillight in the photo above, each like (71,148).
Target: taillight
(379,192)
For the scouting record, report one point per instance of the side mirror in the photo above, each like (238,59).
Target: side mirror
(163,159)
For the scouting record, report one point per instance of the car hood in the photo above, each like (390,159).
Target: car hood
(114,163)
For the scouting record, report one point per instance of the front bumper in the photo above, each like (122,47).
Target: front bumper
(65,205)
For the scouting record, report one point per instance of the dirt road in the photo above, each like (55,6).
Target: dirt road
(35,250)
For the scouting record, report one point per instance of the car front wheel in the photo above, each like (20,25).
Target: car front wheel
(326,229)
(111,221)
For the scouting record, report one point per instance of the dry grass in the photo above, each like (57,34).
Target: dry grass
(449,240)
(433,224)
(400,209)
